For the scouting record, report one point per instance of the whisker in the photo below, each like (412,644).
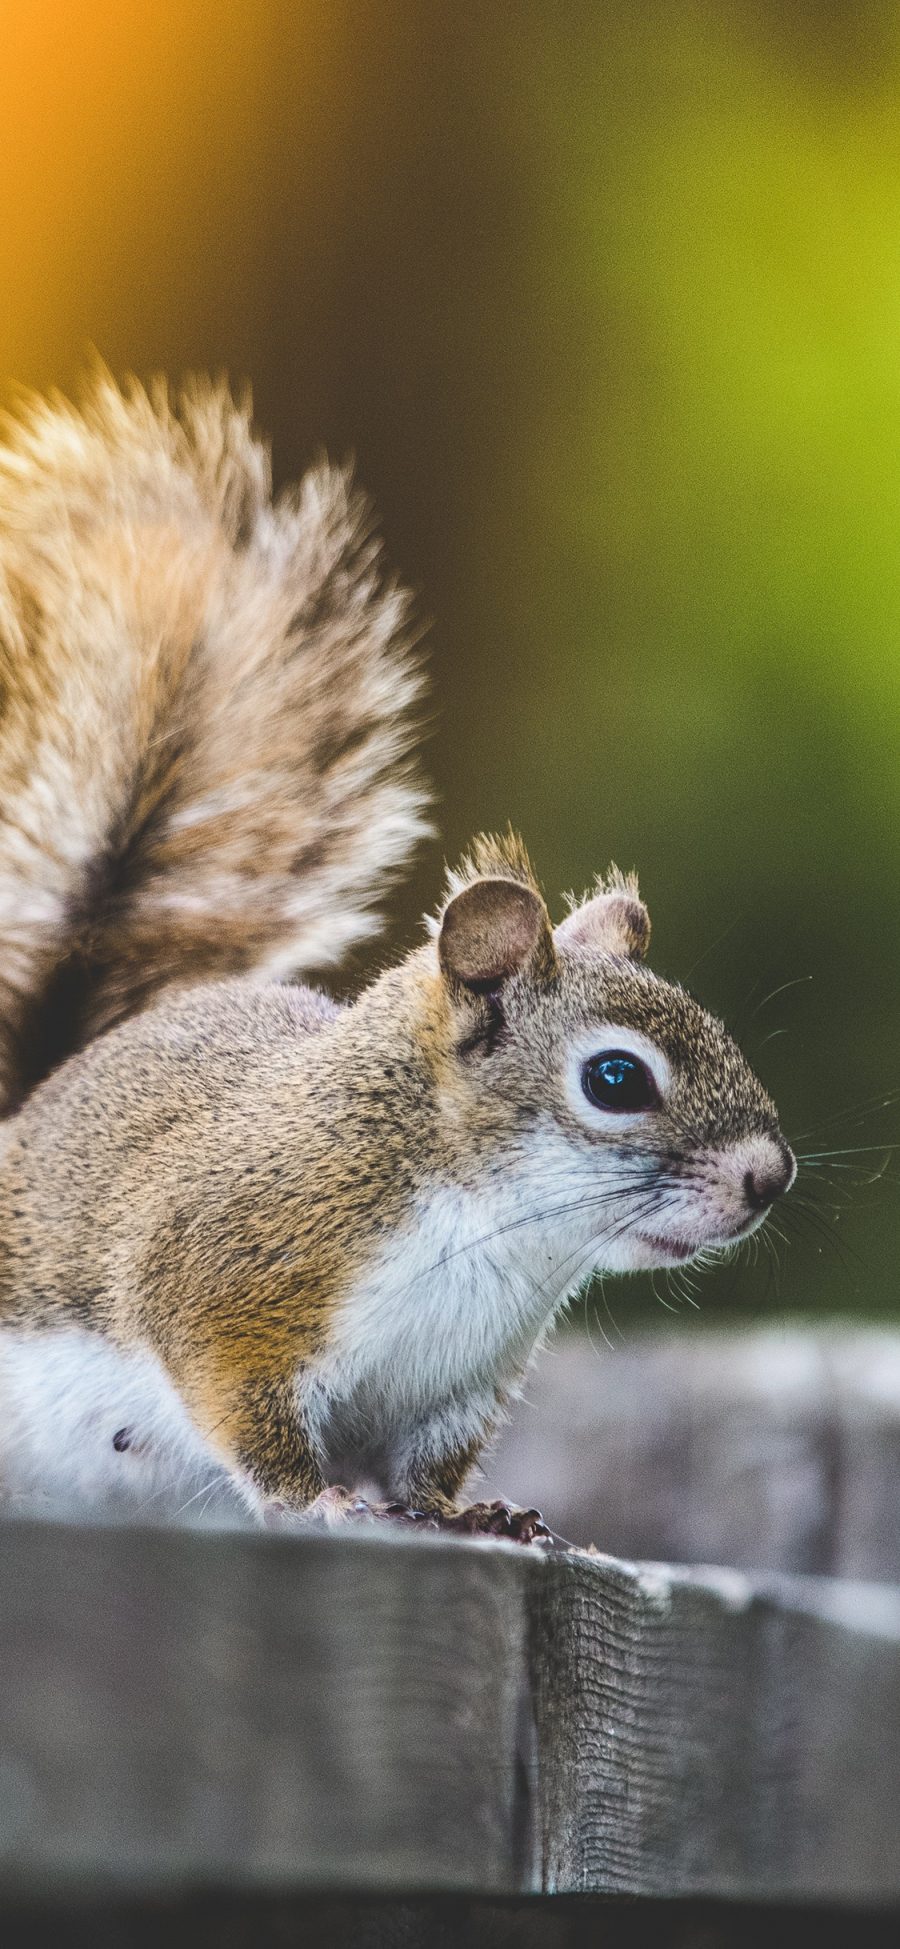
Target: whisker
(782,989)
(606,1339)
(207,1435)
(678,1285)
(857,1172)
(609,1237)
(801,1212)
(774,1280)
(625,1224)
(859,1111)
(624,1189)
(153,1497)
(607,1308)
(202,1491)
(707,951)
(846,1150)
(658,1296)
(213,1491)
(583,1255)
(586,1253)
(826,1189)
(689,1289)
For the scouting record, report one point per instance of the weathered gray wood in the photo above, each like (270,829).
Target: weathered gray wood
(770,1449)
(705,1734)
(216,1709)
(388,1711)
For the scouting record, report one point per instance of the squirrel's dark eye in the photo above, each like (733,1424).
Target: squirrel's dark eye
(618,1081)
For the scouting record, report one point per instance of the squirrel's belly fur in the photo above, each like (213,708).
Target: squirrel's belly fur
(84,1423)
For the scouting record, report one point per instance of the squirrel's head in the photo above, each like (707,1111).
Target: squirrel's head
(614,1093)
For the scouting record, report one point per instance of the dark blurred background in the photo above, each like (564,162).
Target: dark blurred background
(605,299)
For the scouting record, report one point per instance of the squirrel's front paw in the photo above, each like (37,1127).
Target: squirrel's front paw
(500,1518)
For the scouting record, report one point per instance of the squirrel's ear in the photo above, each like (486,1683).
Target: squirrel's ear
(613,921)
(492,929)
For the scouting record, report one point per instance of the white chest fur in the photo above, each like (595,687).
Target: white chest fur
(450,1313)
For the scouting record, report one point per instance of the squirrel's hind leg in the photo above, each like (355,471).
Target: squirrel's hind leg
(254,1426)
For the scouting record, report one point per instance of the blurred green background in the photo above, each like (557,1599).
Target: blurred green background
(606,301)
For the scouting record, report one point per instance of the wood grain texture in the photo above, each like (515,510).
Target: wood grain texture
(773,1449)
(227,1709)
(379,1713)
(705,1733)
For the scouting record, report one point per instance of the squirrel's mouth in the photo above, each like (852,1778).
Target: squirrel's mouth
(669,1248)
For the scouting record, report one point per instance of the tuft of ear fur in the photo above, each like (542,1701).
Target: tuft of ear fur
(491,929)
(611,919)
(496,856)
(205,703)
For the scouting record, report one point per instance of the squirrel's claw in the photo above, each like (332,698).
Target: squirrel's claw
(496,1518)
(402,1512)
(335,1506)
(499,1518)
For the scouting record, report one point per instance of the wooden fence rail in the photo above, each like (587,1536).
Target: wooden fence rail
(375,1712)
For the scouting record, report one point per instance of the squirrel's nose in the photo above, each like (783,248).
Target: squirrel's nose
(765,1183)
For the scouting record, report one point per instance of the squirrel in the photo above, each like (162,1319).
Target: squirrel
(311,1247)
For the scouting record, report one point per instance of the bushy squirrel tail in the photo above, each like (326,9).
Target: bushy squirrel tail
(205,703)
